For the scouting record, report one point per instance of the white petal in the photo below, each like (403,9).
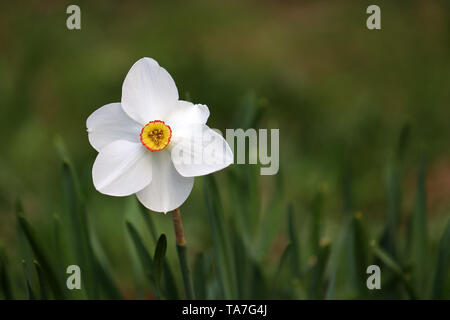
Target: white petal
(168,189)
(200,152)
(186,113)
(122,168)
(110,123)
(148,92)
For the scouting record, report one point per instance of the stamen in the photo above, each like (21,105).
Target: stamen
(156,135)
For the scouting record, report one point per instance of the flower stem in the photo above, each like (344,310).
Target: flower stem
(182,255)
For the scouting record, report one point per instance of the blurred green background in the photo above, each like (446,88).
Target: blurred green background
(364,147)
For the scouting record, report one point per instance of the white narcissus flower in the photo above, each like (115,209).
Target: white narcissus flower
(151,143)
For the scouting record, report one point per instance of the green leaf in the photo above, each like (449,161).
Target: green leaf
(219,232)
(357,254)
(403,141)
(145,213)
(30,292)
(75,217)
(106,281)
(25,251)
(292,228)
(171,291)
(153,268)
(418,233)
(316,221)
(200,273)
(442,267)
(317,288)
(42,257)
(5,286)
(249,112)
(392,265)
(149,265)
(282,283)
(170,287)
(243,263)
(185,271)
(59,242)
(258,282)
(246,203)
(284,259)
(334,262)
(270,222)
(347,190)
(144,256)
(43,285)
(245,178)
(387,260)
(158,260)
(103,272)
(394,193)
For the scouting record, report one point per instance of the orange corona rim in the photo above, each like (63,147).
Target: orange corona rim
(156,135)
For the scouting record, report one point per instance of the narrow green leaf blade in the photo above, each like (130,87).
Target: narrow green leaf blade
(442,269)
(75,217)
(357,254)
(157,265)
(142,252)
(200,274)
(389,262)
(43,285)
(42,257)
(103,272)
(170,286)
(418,233)
(30,291)
(219,232)
(185,271)
(317,288)
(5,285)
(292,227)
(316,221)
(145,213)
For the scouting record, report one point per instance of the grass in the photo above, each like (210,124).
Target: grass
(240,263)
(363,140)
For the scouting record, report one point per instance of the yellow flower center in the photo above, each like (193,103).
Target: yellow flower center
(156,135)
